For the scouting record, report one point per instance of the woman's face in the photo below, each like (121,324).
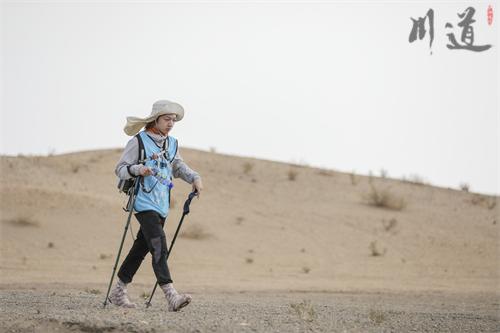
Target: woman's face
(165,123)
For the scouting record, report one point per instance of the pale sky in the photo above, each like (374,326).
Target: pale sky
(333,84)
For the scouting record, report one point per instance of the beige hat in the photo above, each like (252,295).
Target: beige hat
(135,124)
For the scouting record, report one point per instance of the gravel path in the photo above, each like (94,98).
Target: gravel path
(81,311)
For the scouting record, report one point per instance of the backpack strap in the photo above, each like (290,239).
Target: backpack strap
(164,148)
(141,149)
(176,147)
(166,151)
(141,155)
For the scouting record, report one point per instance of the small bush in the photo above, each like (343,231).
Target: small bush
(464,187)
(375,251)
(327,173)
(414,179)
(377,316)
(50,245)
(292,174)
(384,199)
(306,269)
(95,159)
(24,221)
(247,167)
(484,201)
(103,256)
(93,291)
(195,231)
(249,260)
(354,178)
(383,173)
(145,295)
(239,220)
(388,225)
(305,310)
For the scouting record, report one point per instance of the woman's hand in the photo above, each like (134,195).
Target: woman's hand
(197,186)
(145,171)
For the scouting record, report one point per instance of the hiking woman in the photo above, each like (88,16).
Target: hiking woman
(163,162)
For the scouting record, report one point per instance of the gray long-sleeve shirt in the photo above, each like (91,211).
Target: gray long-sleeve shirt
(130,156)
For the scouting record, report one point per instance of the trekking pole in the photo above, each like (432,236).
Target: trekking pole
(185,212)
(130,208)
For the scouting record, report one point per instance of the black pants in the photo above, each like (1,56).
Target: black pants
(150,238)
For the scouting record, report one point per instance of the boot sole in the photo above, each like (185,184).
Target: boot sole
(181,306)
(121,306)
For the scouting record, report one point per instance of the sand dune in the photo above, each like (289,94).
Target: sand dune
(259,225)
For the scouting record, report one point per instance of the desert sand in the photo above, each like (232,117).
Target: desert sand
(278,230)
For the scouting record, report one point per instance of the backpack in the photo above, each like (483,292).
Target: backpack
(126,185)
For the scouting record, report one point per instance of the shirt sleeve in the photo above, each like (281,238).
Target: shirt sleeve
(182,170)
(128,166)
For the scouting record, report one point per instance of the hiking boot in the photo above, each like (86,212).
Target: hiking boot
(119,296)
(175,300)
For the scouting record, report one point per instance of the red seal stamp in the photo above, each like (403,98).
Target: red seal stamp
(490,15)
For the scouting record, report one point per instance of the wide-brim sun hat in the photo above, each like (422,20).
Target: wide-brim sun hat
(160,108)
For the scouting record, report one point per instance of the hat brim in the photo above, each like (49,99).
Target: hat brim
(135,124)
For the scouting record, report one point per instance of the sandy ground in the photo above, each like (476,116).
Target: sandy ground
(50,309)
(261,232)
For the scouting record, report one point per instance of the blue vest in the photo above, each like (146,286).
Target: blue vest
(154,192)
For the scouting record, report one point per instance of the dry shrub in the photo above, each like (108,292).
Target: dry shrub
(464,187)
(383,173)
(292,174)
(384,199)
(388,225)
(24,221)
(249,260)
(95,159)
(93,291)
(354,178)
(370,177)
(376,316)
(239,220)
(306,269)
(195,231)
(247,167)
(104,256)
(327,173)
(414,179)
(486,201)
(375,252)
(305,310)
(145,295)
(75,168)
